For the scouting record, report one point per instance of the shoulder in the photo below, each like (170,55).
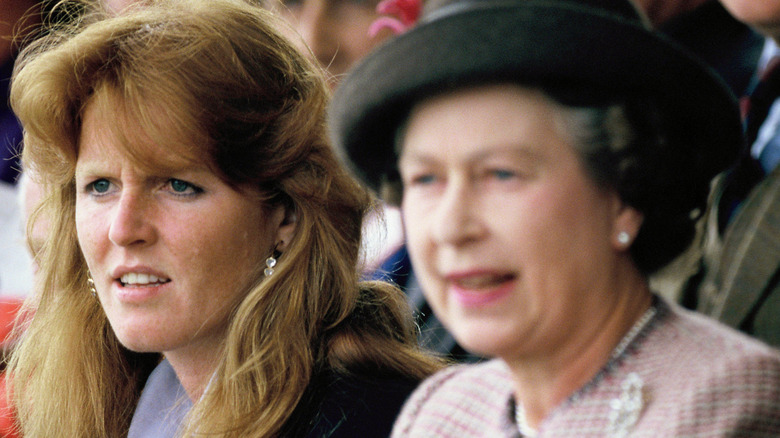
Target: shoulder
(463,400)
(359,405)
(479,382)
(707,377)
(707,338)
(703,344)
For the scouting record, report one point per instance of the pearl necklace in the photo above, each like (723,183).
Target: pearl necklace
(631,385)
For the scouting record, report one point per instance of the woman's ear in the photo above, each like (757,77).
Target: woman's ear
(287,222)
(627,223)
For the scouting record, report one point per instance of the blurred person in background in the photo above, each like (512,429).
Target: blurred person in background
(336,32)
(738,277)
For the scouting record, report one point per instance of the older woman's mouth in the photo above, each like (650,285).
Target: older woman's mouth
(480,289)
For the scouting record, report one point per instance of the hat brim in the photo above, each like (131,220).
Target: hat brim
(528,42)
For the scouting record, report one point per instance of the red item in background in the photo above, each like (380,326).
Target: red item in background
(7,416)
(9,308)
(406,14)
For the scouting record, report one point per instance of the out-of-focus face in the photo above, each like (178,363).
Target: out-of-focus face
(171,251)
(513,244)
(763,15)
(335,30)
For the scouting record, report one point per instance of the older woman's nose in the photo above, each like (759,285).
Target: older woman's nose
(456,216)
(131,223)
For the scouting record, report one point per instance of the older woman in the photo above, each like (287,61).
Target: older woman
(200,275)
(548,156)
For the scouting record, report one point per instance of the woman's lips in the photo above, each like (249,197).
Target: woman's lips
(142,279)
(480,289)
(138,293)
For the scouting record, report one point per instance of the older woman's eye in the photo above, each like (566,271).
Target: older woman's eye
(424,179)
(183,188)
(420,179)
(502,174)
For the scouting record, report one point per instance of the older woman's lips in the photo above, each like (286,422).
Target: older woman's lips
(480,289)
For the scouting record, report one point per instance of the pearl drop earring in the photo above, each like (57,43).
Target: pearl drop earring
(270,262)
(91,285)
(624,238)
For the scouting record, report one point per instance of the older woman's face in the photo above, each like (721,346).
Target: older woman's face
(513,244)
(171,252)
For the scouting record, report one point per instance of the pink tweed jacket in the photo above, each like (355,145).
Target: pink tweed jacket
(683,376)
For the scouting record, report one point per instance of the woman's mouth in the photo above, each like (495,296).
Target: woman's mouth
(133,279)
(486,281)
(475,290)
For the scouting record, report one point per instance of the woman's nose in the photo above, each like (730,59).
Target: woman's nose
(131,223)
(456,217)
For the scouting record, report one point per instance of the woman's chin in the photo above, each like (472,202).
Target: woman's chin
(485,339)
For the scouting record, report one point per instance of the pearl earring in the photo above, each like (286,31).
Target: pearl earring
(91,284)
(270,262)
(624,238)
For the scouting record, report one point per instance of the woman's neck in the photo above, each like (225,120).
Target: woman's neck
(543,383)
(193,369)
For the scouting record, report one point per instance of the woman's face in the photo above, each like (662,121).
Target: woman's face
(513,244)
(171,252)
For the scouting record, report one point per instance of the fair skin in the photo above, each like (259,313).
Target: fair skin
(336,31)
(194,244)
(514,245)
(762,15)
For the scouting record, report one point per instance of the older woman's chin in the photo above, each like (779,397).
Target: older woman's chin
(486,337)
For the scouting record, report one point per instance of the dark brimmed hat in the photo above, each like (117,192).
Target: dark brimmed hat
(599,47)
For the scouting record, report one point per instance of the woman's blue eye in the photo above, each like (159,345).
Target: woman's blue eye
(180,187)
(100,186)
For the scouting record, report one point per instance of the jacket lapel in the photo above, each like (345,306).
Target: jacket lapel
(751,252)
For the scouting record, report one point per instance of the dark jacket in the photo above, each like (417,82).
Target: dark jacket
(349,406)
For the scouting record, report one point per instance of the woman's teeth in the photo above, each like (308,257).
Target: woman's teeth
(141,279)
